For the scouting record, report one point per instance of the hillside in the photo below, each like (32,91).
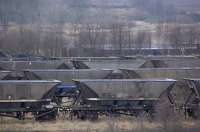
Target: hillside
(186,5)
(101,11)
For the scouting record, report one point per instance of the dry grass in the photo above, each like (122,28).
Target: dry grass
(105,125)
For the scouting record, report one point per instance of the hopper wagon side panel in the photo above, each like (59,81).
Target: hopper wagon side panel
(68,75)
(127,89)
(165,73)
(24,90)
(115,64)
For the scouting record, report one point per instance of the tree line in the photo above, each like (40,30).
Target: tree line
(92,39)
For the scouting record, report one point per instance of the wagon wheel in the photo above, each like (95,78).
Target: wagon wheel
(145,115)
(88,115)
(62,115)
(193,107)
(196,112)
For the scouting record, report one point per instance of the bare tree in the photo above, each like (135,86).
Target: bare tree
(117,32)
(175,36)
(143,40)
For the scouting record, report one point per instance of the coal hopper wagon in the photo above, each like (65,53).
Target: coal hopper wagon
(39,64)
(118,96)
(67,75)
(114,64)
(171,62)
(18,98)
(3,74)
(176,73)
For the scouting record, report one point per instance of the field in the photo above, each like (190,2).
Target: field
(102,125)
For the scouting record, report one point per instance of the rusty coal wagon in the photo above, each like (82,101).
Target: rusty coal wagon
(19,97)
(118,96)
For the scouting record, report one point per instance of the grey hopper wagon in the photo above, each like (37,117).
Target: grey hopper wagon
(20,96)
(125,88)
(172,63)
(176,73)
(3,74)
(138,62)
(158,57)
(68,75)
(119,96)
(87,58)
(165,57)
(40,64)
(114,64)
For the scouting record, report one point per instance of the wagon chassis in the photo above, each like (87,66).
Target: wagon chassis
(92,113)
(20,113)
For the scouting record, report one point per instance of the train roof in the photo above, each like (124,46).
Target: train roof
(5,71)
(28,61)
(52,70)
(28,81)
(116,57)
(192,79)
(126,80)
(178,68)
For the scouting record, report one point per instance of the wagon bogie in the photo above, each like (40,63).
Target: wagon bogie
(45,115)
(192,103)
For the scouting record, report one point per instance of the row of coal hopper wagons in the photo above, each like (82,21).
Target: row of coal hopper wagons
(87,88)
